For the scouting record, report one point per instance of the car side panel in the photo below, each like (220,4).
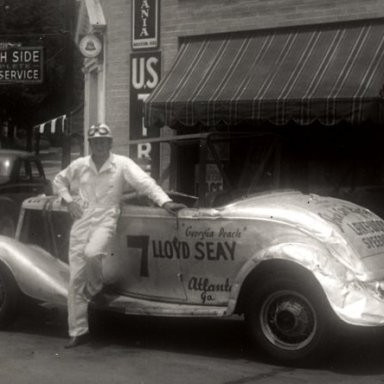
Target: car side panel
(139,266)
(216,248)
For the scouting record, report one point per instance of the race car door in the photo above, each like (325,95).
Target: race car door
(147,260)
(211,249)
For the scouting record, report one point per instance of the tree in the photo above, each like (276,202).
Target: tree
(39,23)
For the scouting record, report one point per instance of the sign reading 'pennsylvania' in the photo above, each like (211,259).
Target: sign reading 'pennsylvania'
(145,24)
(21,65)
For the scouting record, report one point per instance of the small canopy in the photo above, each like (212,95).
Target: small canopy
(326,73)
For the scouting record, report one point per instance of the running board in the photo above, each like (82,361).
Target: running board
(135,306)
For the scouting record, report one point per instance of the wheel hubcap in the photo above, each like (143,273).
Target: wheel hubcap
(288,320)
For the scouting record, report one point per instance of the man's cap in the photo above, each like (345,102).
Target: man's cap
(99,131)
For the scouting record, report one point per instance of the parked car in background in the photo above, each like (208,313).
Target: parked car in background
(21,176)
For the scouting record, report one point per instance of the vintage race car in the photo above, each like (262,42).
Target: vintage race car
(293,264)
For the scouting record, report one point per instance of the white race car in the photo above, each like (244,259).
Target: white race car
(293,264)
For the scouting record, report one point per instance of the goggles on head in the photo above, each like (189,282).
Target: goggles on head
(99,130)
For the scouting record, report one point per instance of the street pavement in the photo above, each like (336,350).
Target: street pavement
(143,350)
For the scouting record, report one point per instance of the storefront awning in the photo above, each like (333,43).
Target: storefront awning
(327,73)
(52,126)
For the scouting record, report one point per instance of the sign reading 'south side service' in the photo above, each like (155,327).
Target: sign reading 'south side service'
(145,24)
(21,65)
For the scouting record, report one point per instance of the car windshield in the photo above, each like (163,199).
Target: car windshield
(5,168)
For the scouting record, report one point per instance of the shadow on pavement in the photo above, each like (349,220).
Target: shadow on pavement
(212,337)
(359,351)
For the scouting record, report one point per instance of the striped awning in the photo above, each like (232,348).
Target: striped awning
(327,73)
(52,126)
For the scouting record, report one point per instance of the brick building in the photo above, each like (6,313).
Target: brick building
(174,32)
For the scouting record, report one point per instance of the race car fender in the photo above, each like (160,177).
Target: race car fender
(37,273)
(352,300)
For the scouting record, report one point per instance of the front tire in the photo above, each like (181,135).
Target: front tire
(9,297)
(288,316)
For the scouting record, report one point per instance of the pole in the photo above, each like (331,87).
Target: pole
(66,145)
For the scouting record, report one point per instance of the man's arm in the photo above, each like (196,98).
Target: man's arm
(172,207)
(62,182)
(146,185)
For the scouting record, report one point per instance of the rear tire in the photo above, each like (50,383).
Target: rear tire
(9,297)
(289,317)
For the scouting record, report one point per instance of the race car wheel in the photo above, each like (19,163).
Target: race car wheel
(9,297)
(288,318)
(7,226)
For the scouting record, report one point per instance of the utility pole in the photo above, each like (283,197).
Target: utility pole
(69,46)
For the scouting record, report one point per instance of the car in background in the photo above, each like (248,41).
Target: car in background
(21,176)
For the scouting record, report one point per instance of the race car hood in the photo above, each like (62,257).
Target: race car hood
(353,233)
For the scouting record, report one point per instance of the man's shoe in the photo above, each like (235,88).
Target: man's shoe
(78,340)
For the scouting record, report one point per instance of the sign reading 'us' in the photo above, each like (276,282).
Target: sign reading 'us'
(145,76)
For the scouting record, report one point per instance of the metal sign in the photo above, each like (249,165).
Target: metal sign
(21,64)
(145,24)
(90,46)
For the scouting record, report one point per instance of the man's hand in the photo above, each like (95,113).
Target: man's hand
(172,207)
(75,210)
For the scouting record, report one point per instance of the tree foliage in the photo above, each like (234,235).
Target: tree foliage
(46,23)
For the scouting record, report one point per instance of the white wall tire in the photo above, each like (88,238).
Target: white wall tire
(288,317)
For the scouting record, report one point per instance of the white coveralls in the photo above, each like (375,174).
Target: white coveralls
(99,193)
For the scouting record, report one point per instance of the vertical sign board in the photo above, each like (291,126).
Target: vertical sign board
(22,65)
(145,75)
(145,24)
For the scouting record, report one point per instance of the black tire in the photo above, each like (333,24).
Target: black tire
(7,225)
(289,317)
(9,297)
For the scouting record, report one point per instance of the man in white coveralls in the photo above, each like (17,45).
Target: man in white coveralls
(92,187)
